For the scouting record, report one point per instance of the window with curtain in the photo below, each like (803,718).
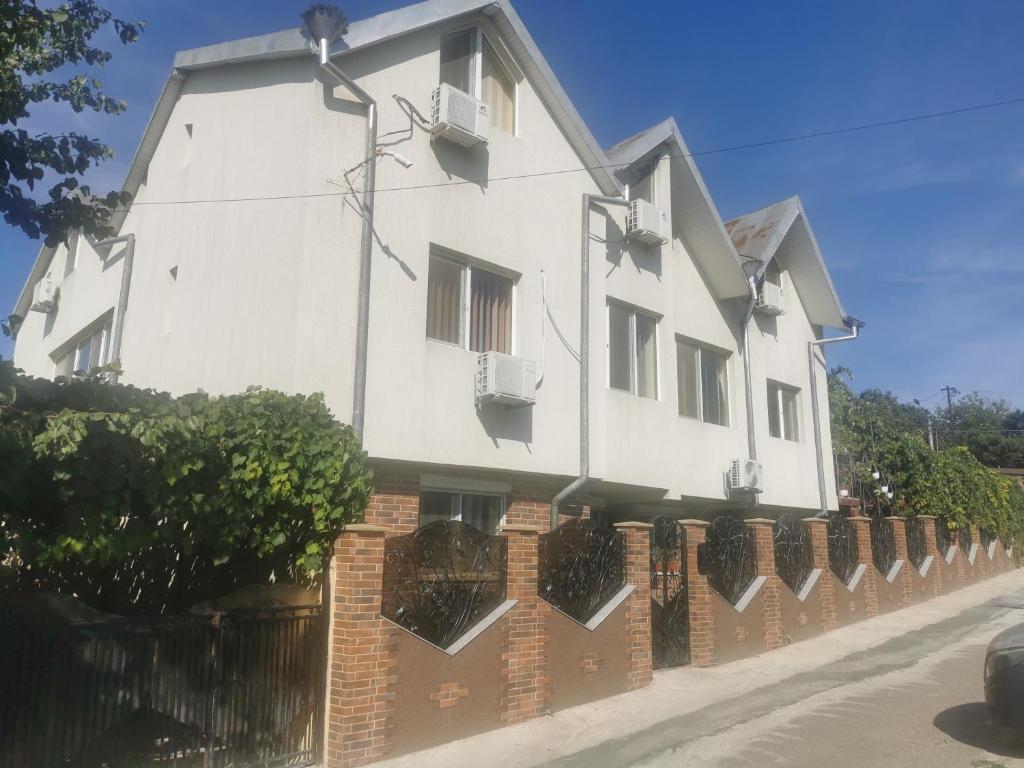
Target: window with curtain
(632,351)
(469,306)
(498,90)
(783,411)
(482,511)
(702,378)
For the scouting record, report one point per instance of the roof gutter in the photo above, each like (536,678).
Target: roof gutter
(366,239)
(854,325)
(584,475)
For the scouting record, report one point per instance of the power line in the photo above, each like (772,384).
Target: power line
(581,169)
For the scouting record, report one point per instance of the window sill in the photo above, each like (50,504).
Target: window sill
(701,422)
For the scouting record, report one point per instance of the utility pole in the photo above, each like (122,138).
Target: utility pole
(928,415)
(950,392)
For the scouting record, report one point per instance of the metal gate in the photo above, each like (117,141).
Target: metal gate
(242,688)
(670,617)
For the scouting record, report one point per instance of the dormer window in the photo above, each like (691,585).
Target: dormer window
(470,63)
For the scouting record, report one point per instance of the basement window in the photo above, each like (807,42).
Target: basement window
(470,63)
(783,411)
(482,511)
(632,350)
(468,306)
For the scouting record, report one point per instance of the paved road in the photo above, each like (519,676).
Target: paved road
(915,700)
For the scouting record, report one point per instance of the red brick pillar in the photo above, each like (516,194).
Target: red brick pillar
(863,527)
(363,655)
(899,535)
(698,593)
(938,561)
(638,604)
(525,639)
(818,527)
(981,558)
(771,594)
(396,503)
(960,561)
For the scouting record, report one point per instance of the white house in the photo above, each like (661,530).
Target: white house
(239,263)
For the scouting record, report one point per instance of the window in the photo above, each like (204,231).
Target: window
(632,351)
(89,351)
(468,306)
(483,512)
(469,63)
(783,411)
(702,376)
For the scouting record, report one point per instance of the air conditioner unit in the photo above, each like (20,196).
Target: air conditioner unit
(769,299)
(647,223)
(505,379)
(745,476)
(458,117)
(45,295)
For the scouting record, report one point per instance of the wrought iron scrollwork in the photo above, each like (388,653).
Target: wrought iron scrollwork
(670,619)
(986,537)
(581,565)
(442,579)
(943,536)
(917,546)
(794,559)
(727,557)
(883,543)
(843,553)
(964,539)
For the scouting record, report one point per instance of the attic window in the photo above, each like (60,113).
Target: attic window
(470,63)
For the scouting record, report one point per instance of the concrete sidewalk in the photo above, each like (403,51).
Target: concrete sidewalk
(607,725)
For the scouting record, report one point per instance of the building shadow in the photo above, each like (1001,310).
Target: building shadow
(971,724)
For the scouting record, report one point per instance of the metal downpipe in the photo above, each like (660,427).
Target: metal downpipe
(584,475)
(816,417)
(122,297)
(747,382)
(366,239)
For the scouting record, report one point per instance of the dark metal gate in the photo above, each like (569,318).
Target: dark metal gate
(236,689)
(670,618)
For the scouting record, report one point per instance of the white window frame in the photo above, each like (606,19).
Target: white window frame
(466,267)
(781,413)
(73,349)
(461,487)
(701,349)
(477,68)
(634,373)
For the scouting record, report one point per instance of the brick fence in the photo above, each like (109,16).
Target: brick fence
(390,692)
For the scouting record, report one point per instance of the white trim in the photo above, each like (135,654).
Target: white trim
(752,590)
(812,579)
(857,575)
(894,571)
(923,570)
(606,610)
(973,553)
(951,553)
(991,550)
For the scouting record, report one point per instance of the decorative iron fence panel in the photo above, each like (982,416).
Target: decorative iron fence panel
(843,552)
(964,539)
(917,546)
(581,565)
(794,559)
(883,543)
(986,537)
(440,580)
(670,611)
(727,557)
(943,536)
(244,689)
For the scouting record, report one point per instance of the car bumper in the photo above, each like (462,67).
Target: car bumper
(1004,694)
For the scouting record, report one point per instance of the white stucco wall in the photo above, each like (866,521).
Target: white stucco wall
(229,294)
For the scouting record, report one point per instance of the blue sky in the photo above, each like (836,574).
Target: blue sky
(917,222)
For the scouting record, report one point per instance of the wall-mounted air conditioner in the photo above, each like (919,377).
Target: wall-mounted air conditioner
(769,299)
(647,223)
(505,379)
(458,117)
(45,295)
(745,476)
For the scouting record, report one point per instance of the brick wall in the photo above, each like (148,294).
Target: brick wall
(703,651)
(818,528)
(907,576)
(638,604)
(396,503)
(771,599)
(862,525)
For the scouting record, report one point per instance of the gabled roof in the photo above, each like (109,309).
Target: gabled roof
(692,207)
(783,228)
(361,34)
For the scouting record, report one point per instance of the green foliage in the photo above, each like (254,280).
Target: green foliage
(36,42)
(874,429)
(136,500)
